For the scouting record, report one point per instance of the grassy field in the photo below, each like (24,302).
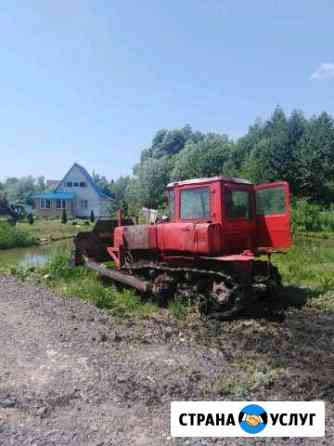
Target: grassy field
(24,235)
(309,267)
(15,237)
(309,263)
(54,229)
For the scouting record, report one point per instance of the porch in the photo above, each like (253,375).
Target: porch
(52,204)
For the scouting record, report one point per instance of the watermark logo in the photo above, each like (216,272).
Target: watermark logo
(248,419)
(253,419)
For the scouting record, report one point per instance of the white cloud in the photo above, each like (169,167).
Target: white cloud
(324,71)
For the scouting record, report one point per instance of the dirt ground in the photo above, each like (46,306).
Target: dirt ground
(71,374)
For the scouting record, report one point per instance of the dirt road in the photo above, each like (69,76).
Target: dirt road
(71,374)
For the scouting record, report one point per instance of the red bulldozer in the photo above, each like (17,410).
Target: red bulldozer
(215,247)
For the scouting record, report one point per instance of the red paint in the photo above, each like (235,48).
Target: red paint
(273,231)
(231,229)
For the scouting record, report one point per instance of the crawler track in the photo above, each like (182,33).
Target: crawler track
(218,293)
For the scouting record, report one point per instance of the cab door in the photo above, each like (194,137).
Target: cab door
(273,215)
(238,218)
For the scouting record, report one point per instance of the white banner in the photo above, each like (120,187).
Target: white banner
(248,419)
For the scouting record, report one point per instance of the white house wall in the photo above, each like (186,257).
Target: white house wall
(75,175)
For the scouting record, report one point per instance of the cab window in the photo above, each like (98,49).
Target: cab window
(270,201)
(171,204)
(195,203)
(237,204)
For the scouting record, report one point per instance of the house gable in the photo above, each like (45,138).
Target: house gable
(74,177)
(77,193)
(88,197)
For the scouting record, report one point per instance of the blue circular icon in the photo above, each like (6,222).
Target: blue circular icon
(253,419)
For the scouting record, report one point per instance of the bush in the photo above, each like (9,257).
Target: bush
(327,219)
(179,309)
(305,216)
(64,217)
(58,265)
(30,219)
(13,237)
(311,217)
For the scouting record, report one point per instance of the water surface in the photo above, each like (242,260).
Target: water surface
(33,256)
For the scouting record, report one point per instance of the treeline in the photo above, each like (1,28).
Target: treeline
(20,190)
(291,147)
(285,147)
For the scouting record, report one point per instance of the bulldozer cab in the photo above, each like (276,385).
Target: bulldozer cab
(254,217)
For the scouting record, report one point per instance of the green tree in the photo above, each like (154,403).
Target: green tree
(30,219)
(170,142)
(316,159)
(102,183)
(119,190)
(64,217)
(41,184)
(21,189)
(147,187)
(269,151)
(206,158)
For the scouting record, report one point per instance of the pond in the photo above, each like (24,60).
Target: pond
(33,256)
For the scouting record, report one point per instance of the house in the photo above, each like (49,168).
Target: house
(77,193)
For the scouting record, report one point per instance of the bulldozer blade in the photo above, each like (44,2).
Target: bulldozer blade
(94,244)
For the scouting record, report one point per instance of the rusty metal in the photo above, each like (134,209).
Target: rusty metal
(93,244)
(138,237)
(125,279)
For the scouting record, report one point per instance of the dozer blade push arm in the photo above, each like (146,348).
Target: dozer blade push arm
(125,279)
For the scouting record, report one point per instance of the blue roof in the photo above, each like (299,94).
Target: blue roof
(55,195)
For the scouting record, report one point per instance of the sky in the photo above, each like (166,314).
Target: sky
(92,81)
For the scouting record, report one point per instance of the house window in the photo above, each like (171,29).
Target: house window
(75,184)
(69,184)
(46,204)
(60,204)
(83,184)
(84,204)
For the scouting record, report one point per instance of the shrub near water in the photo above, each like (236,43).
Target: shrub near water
(13,237)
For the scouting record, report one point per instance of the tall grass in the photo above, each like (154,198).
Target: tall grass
(309,263)
(311,217)
(13,237)
(80,282)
